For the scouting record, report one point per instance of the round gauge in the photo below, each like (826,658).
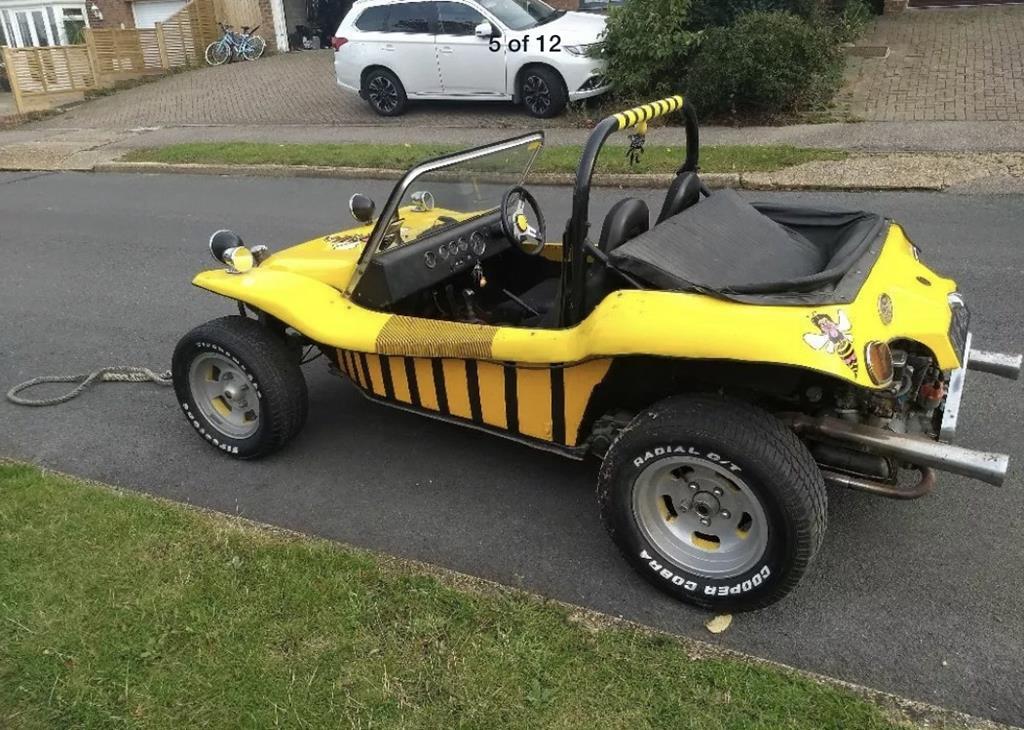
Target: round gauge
(478,243)
(463,245)
(430,259)
(443,251)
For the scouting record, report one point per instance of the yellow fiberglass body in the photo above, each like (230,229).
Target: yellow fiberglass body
(901,299)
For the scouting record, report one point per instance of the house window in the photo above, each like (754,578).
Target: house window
(74,23)
(43,25)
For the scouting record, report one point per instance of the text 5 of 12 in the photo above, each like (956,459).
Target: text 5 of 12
(549,44)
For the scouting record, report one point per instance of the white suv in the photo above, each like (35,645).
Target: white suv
(391,51)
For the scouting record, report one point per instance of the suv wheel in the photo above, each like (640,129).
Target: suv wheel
(385,93)
(542,92)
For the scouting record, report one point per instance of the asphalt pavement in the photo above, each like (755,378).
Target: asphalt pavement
(920,598)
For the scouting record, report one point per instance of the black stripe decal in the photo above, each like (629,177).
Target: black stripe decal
(366,372)
(558,405)
(410,375)
(350,358)
(442,392)
(473,386)
(511,399)
(385,372)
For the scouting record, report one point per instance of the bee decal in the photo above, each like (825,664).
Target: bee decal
(834,337)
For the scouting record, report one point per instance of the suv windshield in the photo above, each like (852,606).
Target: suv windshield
(521,14)
(452,189)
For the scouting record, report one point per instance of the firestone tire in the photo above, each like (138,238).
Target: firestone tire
(240,386)
(689,459)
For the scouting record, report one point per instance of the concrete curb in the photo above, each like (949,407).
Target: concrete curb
(900,709)
(743,180)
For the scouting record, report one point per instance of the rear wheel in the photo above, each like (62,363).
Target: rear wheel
(217,53)
(713,501)
(385,93)
(542,92)
(240,386)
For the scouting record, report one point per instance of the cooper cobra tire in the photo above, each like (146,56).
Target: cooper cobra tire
(688,458)
(240,386)
(385,93)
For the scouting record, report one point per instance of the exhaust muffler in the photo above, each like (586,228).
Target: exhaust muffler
(985,466)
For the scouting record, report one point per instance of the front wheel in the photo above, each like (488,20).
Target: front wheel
(542,92)
(253,48)
(240,386)
(217,53)
(714,501)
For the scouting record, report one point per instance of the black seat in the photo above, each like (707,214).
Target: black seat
(682,193)
(627,219)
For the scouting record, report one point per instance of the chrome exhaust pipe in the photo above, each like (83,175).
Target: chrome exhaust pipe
(995,363)
(987,467)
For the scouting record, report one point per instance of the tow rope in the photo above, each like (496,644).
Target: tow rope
(114,374)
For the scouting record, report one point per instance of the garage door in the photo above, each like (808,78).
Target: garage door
(155,11)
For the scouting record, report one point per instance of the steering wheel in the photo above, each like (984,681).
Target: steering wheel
(515,223)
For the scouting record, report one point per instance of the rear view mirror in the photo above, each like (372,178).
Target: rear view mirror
(485,30)
(361,207)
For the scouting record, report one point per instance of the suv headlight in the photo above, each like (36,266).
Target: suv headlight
(587,49)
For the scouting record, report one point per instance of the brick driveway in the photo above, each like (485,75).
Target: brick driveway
(291,88)
(950,64)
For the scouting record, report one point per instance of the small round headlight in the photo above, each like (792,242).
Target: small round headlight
(239,259)
(879,360)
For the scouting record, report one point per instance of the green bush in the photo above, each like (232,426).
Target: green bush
(715,13)
(851,19)
(767,64)
(648,45)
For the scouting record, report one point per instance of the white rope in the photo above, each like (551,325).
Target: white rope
(114,374)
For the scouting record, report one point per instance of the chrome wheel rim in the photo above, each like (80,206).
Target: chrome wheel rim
(701,516)
(536,94)
(225,395)
(383,94)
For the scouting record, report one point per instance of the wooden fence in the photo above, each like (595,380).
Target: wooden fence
(178,42)
(43,78)
(241,13)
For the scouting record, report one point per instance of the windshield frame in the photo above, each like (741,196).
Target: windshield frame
(394,200)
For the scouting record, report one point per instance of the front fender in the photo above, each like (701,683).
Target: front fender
(311,307)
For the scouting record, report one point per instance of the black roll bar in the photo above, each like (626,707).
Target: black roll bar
(573,241)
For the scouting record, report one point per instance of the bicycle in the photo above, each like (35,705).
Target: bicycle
(232,45)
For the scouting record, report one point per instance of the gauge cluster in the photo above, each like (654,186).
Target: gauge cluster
(458,252)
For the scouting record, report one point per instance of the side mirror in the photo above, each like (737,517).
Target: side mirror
(361,207)
(485,30)
(223,240)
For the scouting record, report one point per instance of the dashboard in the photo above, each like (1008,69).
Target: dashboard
(402,271)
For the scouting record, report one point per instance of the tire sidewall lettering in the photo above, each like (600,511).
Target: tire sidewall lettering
(757,578)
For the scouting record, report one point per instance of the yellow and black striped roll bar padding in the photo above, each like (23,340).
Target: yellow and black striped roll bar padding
(646,112)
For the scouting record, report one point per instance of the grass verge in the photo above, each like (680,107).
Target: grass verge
(118,610)
(724,158)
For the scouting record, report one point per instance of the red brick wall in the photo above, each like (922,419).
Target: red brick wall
(565,4)
(115,12)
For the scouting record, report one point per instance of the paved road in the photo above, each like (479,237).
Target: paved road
(922,599)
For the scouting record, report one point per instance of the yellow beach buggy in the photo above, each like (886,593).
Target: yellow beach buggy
(725,359)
